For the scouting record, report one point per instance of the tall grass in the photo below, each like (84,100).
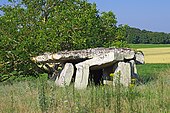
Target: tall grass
(41,95)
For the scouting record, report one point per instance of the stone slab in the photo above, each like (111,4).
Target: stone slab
(122,73)
(82,76)
(65,75)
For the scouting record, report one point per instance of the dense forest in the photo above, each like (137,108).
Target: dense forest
(137,36)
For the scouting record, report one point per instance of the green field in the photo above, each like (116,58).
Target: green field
(150,95)
(137,46)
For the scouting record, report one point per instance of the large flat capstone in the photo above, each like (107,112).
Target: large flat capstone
(63,56)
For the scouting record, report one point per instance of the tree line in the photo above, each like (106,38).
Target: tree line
(137,36)
(31,27)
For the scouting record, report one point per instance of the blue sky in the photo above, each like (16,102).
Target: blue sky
(153,15)
(3,2)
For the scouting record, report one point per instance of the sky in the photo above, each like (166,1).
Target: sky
(152,15)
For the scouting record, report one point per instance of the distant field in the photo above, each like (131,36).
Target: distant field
(136,46)
(154,53)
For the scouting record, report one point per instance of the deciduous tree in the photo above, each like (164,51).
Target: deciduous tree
(32,27)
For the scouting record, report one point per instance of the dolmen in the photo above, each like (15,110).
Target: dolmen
(100,65)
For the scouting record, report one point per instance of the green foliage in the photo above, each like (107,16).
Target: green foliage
(137,36)
(29,28)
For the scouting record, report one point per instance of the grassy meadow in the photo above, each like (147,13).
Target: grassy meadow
(41,95)
(150,95)
(139,46)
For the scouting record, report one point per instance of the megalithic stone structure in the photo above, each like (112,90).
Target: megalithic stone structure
(122,60)
(122,74)
(82,76)
(133,69)
(65,75)
(139,57)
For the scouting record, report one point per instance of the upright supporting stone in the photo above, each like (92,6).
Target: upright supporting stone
(66,75)
(122,73)
(82,75)
(133,69)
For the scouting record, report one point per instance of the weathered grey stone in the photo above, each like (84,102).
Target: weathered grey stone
(133,69)
(82,75)
(122,73)
(139,58)
(64,56)
(121,60)
(129,54)
(66,75)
